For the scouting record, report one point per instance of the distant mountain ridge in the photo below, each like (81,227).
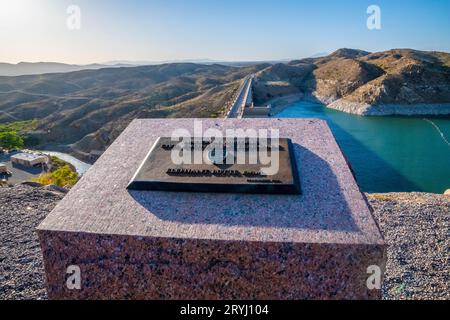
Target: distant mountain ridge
(35,68)
(85,110)
(398,81)
(31,68)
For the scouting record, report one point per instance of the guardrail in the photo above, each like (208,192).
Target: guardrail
(248,98)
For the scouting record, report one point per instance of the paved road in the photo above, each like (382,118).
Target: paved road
(236,109)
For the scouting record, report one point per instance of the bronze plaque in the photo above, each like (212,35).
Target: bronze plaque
(229,168)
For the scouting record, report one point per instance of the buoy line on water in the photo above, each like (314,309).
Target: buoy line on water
(438,130)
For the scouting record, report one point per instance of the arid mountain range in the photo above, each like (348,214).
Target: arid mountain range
(403,82)
(29,68)
(86,110)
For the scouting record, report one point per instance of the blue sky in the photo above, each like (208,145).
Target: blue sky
(35,30)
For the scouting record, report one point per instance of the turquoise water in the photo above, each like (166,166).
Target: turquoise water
(388,154)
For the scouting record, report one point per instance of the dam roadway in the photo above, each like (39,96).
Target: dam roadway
(244,98)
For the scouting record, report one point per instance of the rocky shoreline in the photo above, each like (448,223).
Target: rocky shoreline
(395,82)
(415,227)
(281,103)
(391,109)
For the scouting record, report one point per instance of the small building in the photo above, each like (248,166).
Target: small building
(3,168)
(29,159)
(257,111)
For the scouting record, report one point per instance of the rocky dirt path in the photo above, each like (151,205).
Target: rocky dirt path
(22,208)
(416,227)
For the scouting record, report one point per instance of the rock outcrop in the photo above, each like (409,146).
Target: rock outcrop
(395,82)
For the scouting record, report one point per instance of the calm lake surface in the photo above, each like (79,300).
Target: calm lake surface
(388,154)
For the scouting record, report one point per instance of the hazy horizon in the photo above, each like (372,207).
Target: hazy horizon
(199,60)
(124,61)
(159,31)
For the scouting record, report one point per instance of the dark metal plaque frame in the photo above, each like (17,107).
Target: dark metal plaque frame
(158,173)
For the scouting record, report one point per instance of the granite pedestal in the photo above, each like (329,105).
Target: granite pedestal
(178,245)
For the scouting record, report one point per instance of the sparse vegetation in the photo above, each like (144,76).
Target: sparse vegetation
(62,177)
(15,135)
(19,126)
(62,174)
(10,140)
(57,163)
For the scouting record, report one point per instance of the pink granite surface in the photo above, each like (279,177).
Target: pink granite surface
(149,244)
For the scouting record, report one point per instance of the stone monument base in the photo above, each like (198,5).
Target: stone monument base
(130,244)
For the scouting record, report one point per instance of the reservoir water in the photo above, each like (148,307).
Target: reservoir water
(388,154)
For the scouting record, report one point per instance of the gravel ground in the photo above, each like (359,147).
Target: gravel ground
(22,208)
(415,226)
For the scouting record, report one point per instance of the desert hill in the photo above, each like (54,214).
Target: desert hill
(88,109)
(400,81)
